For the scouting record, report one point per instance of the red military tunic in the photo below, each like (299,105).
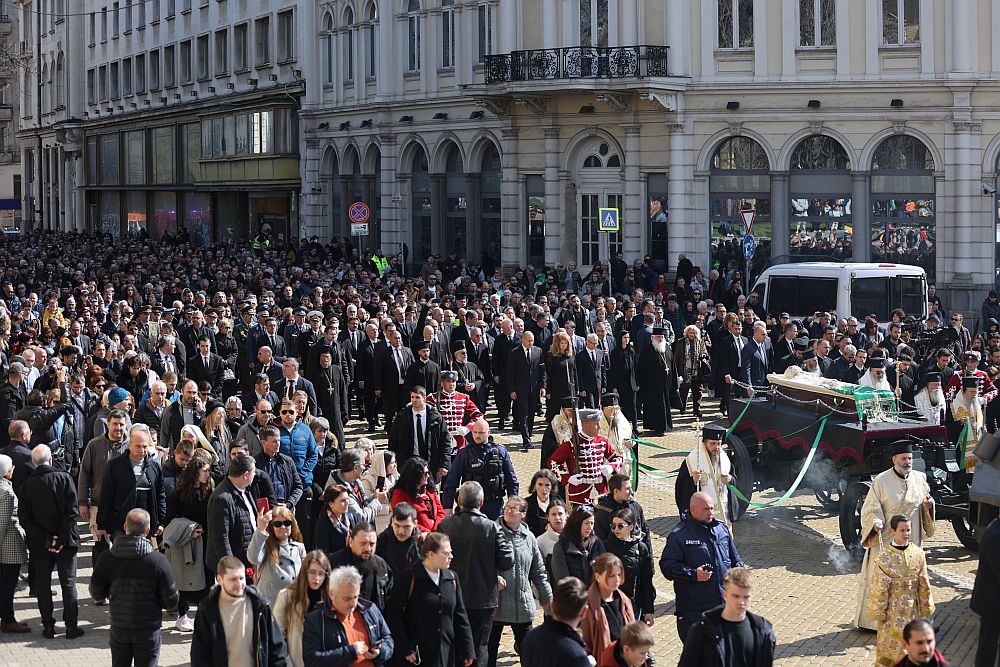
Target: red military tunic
(987,390)
(459,414)
(595,453)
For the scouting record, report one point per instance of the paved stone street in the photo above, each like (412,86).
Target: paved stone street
(806,584)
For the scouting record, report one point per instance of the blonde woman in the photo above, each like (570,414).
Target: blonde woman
(302,596)
(560,380)
(690,352)
(215,429)
(276,551)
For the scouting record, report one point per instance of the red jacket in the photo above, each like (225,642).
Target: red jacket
(430,512)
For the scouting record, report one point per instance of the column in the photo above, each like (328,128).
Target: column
(628,28)
(389,227)
(513,226)
(632,219)
(308,26)
(507,36)
(968,255)
(550,24)
(687,231)
(473,221)
(780,220)
(438,194)
(554,223)
(368,197)
(861,207)
(393,38)
(962,38)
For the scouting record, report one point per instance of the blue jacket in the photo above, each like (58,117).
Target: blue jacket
(300,445)
(324,640)
(690,545)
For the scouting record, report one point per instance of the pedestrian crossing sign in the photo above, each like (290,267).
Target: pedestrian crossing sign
(608,220)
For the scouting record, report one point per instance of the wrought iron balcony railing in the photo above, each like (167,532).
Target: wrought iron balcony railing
(578,62)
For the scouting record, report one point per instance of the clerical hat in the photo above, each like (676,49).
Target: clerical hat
(933,377)
(970,382)
(902,447)
(876,362)
(801,344)
(659,331)
(422,345)
(568,402)
(808,354)
(713,432)
(608,400)
(457,346)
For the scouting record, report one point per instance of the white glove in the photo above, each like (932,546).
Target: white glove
(607,470)
(577,479)
(982,401)
(463,430)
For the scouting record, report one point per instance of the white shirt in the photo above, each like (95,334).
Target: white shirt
(423,426)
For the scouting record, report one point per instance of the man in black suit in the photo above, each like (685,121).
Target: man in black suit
(590,372)
(391,365)
(292,382)
(479,354)
(261,392)
(164,360)
(502,346)
(463,331)
(191,335)
(364,374)
(434,445)
(729,363)
(269,338)
(308,338)
(269,365)
(79,339)
(526,382)
(188,410)
(207,366)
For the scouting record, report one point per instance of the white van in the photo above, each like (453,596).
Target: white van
(848,289)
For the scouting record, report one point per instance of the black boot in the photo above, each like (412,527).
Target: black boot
(49,631)
(73,632)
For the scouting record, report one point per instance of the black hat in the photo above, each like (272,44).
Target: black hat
(300,311)
(590,415)
(902,447)
(609,400)
(933,377)
(972,354)
(568,402)
(324,348)
(457,346)
(148,310)
(212,404)
(263,310)
(659,331)
(970,382)
(713,432)
(449,375)
(801,344)
(876,362)
(808,354)
(422,345)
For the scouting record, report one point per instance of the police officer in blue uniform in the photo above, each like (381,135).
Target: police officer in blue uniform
(483,461)
(699,552)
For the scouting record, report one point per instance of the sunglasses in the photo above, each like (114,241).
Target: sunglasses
(288,412)
(616,526)
(281,524)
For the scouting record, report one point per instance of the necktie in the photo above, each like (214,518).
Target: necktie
(421,440)
(593,358)
(250,506)
(168,364)
(271,338)
(205,359)
(527,355)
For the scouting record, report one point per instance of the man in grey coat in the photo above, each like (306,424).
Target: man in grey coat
(481,552)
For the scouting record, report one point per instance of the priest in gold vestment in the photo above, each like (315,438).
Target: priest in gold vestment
(900,591)
(899,490)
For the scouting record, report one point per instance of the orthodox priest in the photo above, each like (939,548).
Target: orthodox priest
(422,372)
(457,409)
(967,407)
(898,490)
(706,469)
(469,377)
(655,377)
(561,429)
(584,467)
(930,400)
(618,431)
(331,392)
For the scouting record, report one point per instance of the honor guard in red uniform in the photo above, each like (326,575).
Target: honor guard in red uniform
(457,409)
(584,466)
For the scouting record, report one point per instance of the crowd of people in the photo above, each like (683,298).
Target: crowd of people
(188,406)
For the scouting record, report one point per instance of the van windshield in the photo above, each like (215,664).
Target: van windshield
(801,296)
(879,296)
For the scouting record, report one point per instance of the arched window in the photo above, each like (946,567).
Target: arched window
(413,27)
(740,180)
(489,203)
(60,81)
(821,224)
(349,44)
(328,48)
(904,205)
(372,17)
(420,206)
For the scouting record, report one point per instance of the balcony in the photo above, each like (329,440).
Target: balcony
(6,112)
(578,62)
(9,155)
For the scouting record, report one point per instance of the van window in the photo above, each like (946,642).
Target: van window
(801,296)
(879,296)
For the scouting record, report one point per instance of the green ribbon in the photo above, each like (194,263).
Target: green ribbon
(960,447)
(746,407)
(798,480)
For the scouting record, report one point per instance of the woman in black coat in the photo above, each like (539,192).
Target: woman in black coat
(417,600)
(560,374)
(544,488)
(637,563)
(621,375)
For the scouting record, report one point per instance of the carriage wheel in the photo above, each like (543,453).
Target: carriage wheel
(965,531)
(830,497)
(850,517)
(739,457)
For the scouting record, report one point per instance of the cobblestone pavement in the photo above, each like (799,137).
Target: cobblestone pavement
(806,584)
